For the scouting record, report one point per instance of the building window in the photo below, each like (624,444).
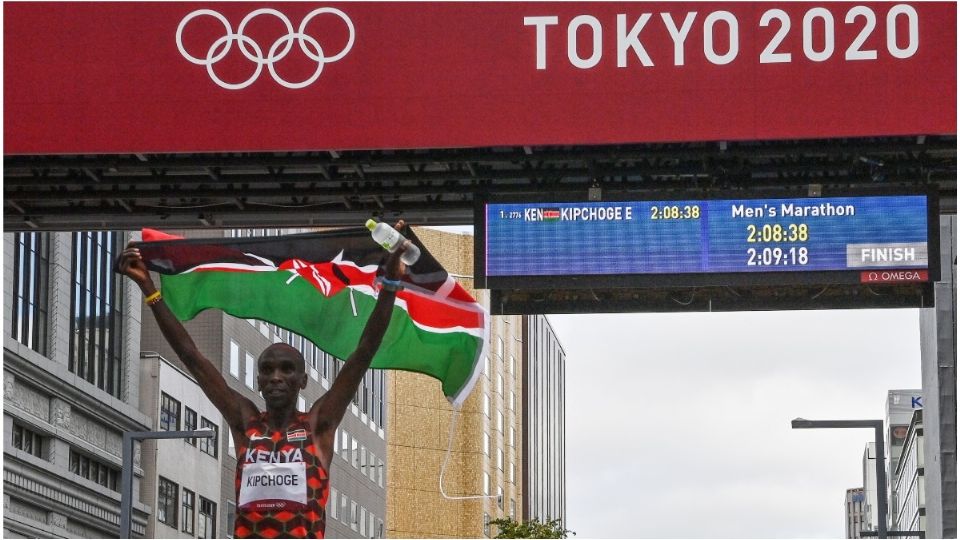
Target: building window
(344,516)
(167,502)
(248,377)
(380,472)
(486,483)
(513,509)
(355,454)
(486,405)
(27,440)
(486,443)
(208,519)
(345,445)
(363,521)
(95,337)
(95,471)
(513,473)
(372,532)
(363,459)
(500,497)
(500,458)
(31,263)
(500,422)
(187,505)
(513,401)
(513,436)
(500,347)
(231,517)
(209,445)
(513,365)
(234,359)
(301,403)
(486,365)
(372,469)
(169,413)
(354,515)
(486,524)
(231,448)
(334,504)
(190,423)
(500,383)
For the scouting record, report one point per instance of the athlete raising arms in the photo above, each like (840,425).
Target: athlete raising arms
(283,455)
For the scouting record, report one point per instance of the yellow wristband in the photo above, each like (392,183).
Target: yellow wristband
(152,299)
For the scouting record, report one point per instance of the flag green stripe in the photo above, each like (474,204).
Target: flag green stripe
(301,308)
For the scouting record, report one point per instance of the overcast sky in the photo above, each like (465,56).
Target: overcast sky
(678,425)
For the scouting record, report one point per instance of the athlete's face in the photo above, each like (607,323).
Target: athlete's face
(280,375)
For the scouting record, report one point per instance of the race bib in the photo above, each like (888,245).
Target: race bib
(272,486)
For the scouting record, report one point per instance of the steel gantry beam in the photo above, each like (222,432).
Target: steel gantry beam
(435,186)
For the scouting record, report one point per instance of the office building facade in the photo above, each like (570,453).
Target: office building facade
(908,505)
(853,511)
(545,421)
(182,477)
(71,386)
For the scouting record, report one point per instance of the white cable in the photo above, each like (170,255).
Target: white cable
(443,468)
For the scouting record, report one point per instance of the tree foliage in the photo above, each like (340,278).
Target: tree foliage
(531,528)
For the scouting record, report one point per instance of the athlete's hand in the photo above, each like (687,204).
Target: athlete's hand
(132,266)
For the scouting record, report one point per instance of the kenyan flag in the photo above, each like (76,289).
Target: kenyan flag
(551,214)
(321,286)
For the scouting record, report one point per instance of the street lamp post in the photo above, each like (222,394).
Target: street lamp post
(877,425)
(126,474)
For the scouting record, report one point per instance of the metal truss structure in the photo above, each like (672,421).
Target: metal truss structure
(436,186)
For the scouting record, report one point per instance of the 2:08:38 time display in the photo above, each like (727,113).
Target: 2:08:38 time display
(794,232)
(794,256)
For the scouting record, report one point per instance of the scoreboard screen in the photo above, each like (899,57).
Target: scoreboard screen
(868,239)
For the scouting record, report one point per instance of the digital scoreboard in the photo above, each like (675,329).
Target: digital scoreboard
(868,239)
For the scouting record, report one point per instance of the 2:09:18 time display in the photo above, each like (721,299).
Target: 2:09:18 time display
(777,256)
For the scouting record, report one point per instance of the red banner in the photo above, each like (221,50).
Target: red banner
(894,276)
(196,77)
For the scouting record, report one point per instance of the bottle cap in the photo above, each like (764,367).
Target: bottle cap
(371,224)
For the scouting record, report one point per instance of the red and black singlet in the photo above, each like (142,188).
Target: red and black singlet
(282,488)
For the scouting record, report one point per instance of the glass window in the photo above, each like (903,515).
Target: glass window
(500,497)
(486,524)
(187,505)
(167,497)
(513,509)
(486,483)
(249,376)
(231,517)
(513,401)
(234,359)
(96,347)
(513,473)
(31,263)
(372,532)
(500,383)
(355,454)
(380,472)
(210,445)
(500,346)
(190,423)
(363,459)
(169,413)
(344,516)
(513,436)
(486,405)
(486,443)
(231,448)
(27,440)
(354,515)
(500,422)
(301,403)
(372,469)
(208,519)
(500,458)
(91,469)
(345,445)
(334,504)
(513,365)
(363,521)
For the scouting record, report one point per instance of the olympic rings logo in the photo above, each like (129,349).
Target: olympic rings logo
(252,51)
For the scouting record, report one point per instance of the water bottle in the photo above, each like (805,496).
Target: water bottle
(391,239)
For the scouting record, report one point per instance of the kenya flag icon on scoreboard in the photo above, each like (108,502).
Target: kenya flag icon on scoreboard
(551,214)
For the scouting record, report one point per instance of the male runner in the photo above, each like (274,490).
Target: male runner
(283,456)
